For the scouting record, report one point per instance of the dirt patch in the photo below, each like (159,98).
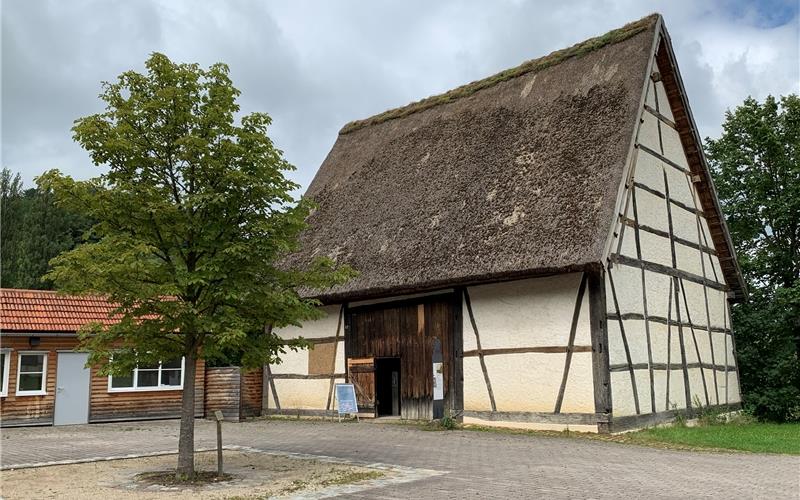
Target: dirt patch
(253,475)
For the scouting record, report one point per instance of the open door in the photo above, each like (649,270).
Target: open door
(361,373)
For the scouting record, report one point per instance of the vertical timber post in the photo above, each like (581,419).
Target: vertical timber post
(601,373)
(219,417)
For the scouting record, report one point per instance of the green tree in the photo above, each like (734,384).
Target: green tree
(756,168)
(11,198)
(193,218)
(33,230)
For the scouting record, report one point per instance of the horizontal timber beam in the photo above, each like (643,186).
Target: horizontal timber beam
(537,417)
(628,422)
(289,412)
(666,270)
(663,158)
(661,117)
(658,232)
(523,350)
(298,376)
(656,192)
(665,321)
(621,367)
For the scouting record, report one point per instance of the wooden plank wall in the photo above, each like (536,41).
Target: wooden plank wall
(235,392)
(31,410)
(104,406)
(223,392)
(406,330)
(109,406)
(251,392)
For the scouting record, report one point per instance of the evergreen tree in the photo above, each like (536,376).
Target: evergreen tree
(33,230)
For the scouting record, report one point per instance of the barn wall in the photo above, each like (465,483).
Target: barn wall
(668,286)
(518,346)
(301,382)
(104,406)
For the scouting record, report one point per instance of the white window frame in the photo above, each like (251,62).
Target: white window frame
(158,387)
(43,390)
(6,368)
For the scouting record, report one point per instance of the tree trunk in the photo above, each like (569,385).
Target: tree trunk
(186,436)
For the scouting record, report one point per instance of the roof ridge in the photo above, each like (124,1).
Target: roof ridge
(534,65)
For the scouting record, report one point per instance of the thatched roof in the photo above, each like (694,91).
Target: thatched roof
(511,176)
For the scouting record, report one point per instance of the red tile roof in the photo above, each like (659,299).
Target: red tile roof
(46,311)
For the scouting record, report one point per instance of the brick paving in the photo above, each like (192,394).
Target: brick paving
(475,464)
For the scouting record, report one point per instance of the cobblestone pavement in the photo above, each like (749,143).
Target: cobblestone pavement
(475,464)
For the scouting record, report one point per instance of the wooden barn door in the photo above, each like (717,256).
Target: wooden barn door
(361,373)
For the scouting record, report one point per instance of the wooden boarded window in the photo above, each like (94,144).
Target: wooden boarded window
(321,359)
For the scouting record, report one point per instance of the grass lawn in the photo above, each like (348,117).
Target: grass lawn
(753,437)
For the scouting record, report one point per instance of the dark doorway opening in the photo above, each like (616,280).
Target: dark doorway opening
(387,386)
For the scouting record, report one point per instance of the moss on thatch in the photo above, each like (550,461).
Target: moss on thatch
(532,66)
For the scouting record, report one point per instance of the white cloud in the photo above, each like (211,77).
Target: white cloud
(316,65)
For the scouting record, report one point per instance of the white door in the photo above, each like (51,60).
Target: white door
(72,389)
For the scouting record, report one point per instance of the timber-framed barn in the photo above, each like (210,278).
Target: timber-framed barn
(551,234)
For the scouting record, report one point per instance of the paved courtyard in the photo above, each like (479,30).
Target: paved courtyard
(474,464)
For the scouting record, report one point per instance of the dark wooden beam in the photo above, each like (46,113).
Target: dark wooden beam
(664,234)
(624,343)
(666,321)
(576,313)
(663,158)
(300,376)
(629,422)
(535,417)
(336,339)
(677,284)
(600,359)
(696,347)
(478,344)
(621,367)
(669,339)
(270,379)
(666,270)
(548,349)
(457,379)
(644,304)
(659,194)
(658,115)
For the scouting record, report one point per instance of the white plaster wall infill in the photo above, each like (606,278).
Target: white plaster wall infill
(306,394)
(297,362)
(663,103)
(527,313)
(531,381)
(476,397)
(655,248)
(648,132)
(659,295)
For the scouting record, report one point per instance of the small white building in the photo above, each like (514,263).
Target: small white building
(552,231)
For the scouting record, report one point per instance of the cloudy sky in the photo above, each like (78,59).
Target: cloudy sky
(315,65)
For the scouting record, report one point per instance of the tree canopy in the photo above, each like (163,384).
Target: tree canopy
(33,230)
(756,168)
(193,217)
